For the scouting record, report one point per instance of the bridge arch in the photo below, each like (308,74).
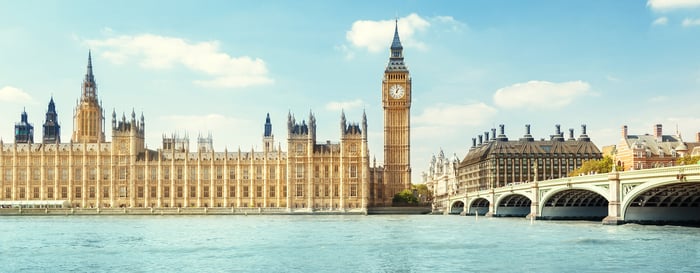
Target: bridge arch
(576,203)
(513,205)
(479,205)
(457,207)
(672,201)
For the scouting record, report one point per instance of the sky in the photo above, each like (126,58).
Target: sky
(218,67)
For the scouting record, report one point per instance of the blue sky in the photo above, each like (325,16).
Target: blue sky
(219,66)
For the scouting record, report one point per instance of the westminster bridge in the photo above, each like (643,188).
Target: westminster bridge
(659,195)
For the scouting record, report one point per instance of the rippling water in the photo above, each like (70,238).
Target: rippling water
(415,243)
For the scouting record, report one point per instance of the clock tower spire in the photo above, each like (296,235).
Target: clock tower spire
(396,101)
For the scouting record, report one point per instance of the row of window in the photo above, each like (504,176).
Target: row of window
(122,192)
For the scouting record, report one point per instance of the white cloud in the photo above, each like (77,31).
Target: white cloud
(447,115)
(540,94)
(13,94)
(687,22)
(376,36)
(664,5)
(161,52)
(661,21)
(344,105)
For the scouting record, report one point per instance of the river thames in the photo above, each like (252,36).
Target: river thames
(397,243)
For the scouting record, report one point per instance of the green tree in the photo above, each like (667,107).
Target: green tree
(423,190)
(405,197)
(603,165)
(687,160)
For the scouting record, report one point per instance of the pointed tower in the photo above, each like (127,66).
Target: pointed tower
(88,119)
(52,130)
(24,131)
(396,100)
(268,137)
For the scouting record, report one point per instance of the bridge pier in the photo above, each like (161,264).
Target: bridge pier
(535,202)
(614,210)
(492,204)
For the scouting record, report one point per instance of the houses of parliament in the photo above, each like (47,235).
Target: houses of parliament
(91,172)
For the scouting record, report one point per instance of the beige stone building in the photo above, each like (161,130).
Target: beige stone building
(636,152)
(90,171)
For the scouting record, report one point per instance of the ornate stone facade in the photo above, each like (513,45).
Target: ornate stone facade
(307,176)
(441,178)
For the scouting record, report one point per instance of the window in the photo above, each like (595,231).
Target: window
(258,191)
(300,170)
(64,192)
(353,148)
(316,171)
(284,191)
(206,191)
(326,171)
(91,192)
(326,190)
(166,172)
(272,172)
(245,191)
(50,174)
(105,192)
(36,174)
(353,190)
(206,174)
(219,172)
(92,173)
(105,174)
(64,174)
(78,192)
(35,193)
(192,175)
(139,192)
(272,191)
(122,173)
(299,190)
(245,173)
(193,191)
(123,192)
(78,174)
(153,192)
(317,190)
(219,191)
(353,171)
(154,173)
(258,172)
(49,192)
(8,175)
(166,192)
(336,191)
(22,193)
(300,148)
(178,170)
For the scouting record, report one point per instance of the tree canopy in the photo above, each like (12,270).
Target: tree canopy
(603,165)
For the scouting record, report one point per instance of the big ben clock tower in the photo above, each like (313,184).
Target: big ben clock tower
(396,100)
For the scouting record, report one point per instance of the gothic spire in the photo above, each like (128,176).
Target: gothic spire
(89,77)
(396,44)
(268,126)
(396,52)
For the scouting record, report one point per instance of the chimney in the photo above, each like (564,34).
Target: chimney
(473,142)
(486,136)
(527,129)
(558,132)
(481,139)
(658,133)
(624,132)
(571,134)
(697,137)
(493,133)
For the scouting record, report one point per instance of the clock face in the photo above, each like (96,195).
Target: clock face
(396,91)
